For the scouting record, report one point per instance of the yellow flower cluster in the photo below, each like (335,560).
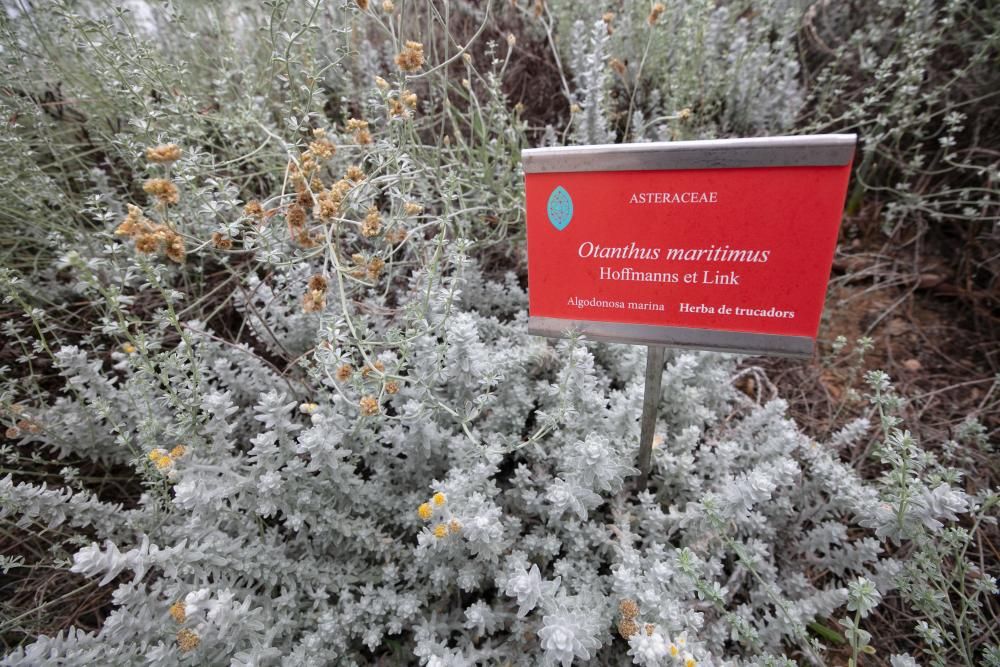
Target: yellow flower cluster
(628,627)
(426,512)
(164,460)
(177,611)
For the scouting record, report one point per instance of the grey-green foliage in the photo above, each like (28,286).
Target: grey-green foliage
(917,81)
(732,68)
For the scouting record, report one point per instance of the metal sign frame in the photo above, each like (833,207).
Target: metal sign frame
(796,151)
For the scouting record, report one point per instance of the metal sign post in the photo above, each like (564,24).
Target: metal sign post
(650,401)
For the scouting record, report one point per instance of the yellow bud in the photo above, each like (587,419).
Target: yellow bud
(425,511)
(438,499)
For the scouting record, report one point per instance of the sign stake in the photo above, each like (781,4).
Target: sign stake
(650,401)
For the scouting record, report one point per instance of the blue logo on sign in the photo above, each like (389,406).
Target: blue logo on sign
(560,208)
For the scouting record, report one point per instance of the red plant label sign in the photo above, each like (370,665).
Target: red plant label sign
(745,250)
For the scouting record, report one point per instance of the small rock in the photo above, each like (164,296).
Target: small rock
(928,280)
(897,326)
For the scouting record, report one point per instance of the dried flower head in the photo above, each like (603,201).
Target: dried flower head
(328,203)
(187,640)
(440,531)
(391,387)
(372,224)
(162,189)
(387,6)
(368,370)
(382,84)
(221,241)
(178,451)
(12,433)
(314,301)
(177,611)
(133,223)
(147,244)
(344,372)
(454,526)
(29,426)
(374,268)
(409,98)
(253,209)
(412,208)
(618,66)
(355,173)
(628,608)
(411,58)
(511,40)
(296,216)
(163,153)
(322,148)
(362,4)
(395,235)
(175,249)
(360,129)
(650,629)
(318,282)
(396,107)
(655,13)
(368,405)
(627,628)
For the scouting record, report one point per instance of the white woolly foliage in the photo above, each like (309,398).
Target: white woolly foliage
(405,475)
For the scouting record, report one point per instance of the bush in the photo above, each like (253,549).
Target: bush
(273,285)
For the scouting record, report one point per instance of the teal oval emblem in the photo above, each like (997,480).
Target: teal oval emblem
(560,208)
